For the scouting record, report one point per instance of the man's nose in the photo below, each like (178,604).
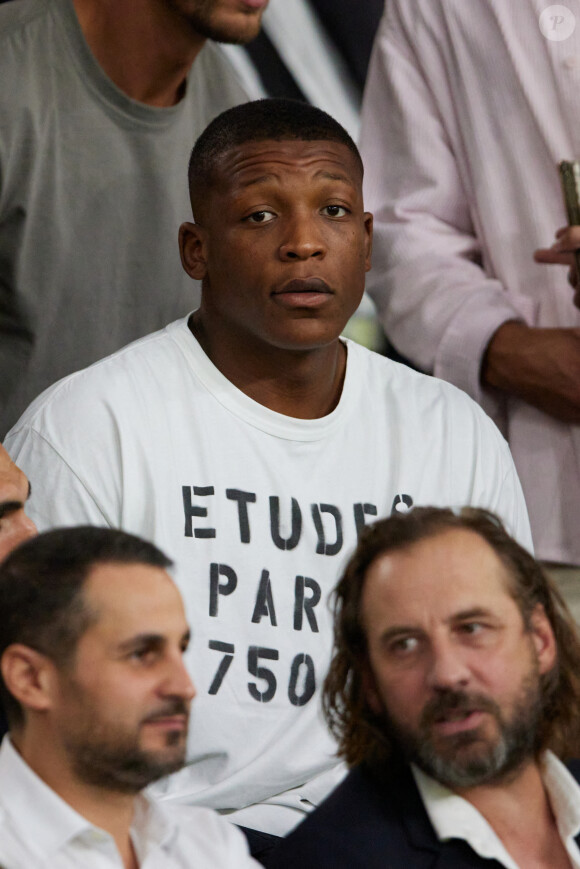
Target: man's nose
(448,667)
(178,682)
(28,527)
(303,240)
(22,527)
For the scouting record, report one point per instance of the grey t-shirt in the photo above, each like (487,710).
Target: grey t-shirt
(93,187)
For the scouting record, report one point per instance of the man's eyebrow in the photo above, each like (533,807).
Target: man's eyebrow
(476,612)
(8,507)
(152,641)
(142,640)
(399,631)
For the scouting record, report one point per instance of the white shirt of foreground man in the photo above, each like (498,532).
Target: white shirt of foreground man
(38,829)
(469,106)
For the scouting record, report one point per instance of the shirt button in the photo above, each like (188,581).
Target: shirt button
(572,62)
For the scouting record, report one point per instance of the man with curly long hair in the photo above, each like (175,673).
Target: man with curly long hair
(454,695)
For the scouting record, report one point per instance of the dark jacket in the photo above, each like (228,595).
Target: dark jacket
(367,824)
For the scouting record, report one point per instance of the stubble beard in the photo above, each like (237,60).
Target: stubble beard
(204,22)
(470,758)
(115,761)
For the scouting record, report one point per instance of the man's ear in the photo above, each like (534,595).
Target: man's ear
(368,223)
(543,639)
(193,250)
(28,676)
(370,689)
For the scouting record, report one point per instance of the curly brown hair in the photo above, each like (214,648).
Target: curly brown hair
(361,734)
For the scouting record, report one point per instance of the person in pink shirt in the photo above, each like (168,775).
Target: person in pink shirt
(469,107)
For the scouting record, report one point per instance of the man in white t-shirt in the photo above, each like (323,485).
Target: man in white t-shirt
(253,444)
(92,637)
(454,694)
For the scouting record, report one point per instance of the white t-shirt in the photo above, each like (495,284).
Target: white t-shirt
(260,512)
(39,830)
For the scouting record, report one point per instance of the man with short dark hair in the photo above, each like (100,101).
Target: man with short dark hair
(92,636)
(254,444)
(453,690)
(100,103)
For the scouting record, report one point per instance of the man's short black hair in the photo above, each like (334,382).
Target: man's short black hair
(276,119)
(41,601)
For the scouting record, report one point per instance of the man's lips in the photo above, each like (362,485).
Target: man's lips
(458,722)
(303,293)
(303,285)
(169,722)
(453,712)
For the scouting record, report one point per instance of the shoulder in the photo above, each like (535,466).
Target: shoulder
(25,35)
(29,48)
(354,827)
(412,393)
(15,18)
(129,381)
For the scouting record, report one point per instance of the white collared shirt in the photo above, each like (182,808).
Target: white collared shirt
(38,829)
(456,818)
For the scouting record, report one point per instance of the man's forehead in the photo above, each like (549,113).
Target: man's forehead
(130,597)
(271,157)
(448,571)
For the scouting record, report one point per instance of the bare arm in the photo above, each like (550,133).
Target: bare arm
(541,366)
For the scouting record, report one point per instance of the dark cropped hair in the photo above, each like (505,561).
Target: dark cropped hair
(277,119)
(41,590)
(361,734)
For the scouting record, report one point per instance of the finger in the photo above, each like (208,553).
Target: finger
(568,238)
(552,256)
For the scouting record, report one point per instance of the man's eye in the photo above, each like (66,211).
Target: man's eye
(143,656)
(261,217)
(336,210)
(471,628)
(404,646)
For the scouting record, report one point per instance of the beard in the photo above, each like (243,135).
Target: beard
(470,758)
(202,16)
(109,758)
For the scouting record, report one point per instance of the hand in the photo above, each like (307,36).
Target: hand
(541,366)
(562,253)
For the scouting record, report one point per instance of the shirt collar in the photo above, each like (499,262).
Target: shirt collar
(454,817)
(152,827)
(47,823)
(33,806)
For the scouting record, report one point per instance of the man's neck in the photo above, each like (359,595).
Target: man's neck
(144,47)
(111,811)
(300,384)
(519,812)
